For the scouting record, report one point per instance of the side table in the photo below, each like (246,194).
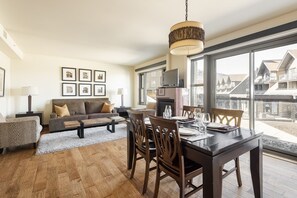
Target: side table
(122,111)
(35,113)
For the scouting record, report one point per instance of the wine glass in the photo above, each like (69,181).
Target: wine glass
(206,118)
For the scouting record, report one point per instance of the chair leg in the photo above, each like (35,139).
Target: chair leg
(147,170)
(182,187)
(133,165)
(238,172)
(157,184)
(34,145)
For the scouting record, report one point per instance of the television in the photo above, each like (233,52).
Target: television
(170,78)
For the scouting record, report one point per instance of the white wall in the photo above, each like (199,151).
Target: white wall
(45,72)
(4,101)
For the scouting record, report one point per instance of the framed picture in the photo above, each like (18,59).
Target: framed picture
(85,75)
(68,74)
(99,76)
(2,81)
(84,89)
(161,92)
(68,89)
(99,89)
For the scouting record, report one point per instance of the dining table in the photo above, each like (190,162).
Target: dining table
(215,151)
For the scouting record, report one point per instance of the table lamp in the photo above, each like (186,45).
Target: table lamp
(122,92)
(30,91)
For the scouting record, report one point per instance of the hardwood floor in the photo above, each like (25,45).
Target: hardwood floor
(100,171)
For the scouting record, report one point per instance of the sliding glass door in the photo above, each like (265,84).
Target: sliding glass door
(275,89)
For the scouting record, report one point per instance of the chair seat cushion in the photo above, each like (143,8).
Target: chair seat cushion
(191,166)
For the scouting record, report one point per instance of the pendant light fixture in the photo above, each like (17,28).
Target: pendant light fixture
(186,37)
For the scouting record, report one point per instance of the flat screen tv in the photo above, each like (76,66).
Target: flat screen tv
(170,78)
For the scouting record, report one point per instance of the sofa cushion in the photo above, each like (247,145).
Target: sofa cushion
(76,107)
(107,108)
(62,111)
(94,107)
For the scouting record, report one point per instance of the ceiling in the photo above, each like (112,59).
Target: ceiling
(125,32)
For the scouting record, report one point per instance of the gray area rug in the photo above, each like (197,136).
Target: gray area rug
(275,144)
(59,141)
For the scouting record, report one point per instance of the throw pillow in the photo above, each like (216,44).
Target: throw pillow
(107,108)
(62,111)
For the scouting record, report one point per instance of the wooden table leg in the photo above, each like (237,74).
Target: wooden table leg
(81,130)
(256,166)
(112,130)
(212,179)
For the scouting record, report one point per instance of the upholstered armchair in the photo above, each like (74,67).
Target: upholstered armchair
(150,109)
(19,131)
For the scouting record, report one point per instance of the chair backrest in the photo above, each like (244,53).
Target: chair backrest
(139,130)
(168,144)
(230,117)
(188,111)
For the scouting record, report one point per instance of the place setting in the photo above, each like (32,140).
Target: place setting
(197,129)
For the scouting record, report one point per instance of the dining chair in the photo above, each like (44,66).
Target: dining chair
(189,111)
(230,117)
(143,146)
(170,158)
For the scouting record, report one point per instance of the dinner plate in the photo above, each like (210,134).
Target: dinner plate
(187,131)
(216,125)
(179,118)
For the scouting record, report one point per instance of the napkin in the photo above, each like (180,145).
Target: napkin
(221,127)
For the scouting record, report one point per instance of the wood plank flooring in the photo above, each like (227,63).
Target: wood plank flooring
(100,171)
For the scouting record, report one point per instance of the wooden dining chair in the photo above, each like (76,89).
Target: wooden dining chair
(142,145)
(230,117)
(188,111)
(170,159)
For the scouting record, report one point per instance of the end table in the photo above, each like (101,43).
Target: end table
(122,111)
(35,113)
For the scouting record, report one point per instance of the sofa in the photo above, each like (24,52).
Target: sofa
(79,109)
(19,131)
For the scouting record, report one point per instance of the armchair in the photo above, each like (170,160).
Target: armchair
(19,131)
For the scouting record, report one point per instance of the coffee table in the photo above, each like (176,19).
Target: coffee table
(80,125)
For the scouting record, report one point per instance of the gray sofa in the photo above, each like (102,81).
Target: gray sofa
(79,109)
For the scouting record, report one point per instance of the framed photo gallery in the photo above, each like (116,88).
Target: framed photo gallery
(83,82)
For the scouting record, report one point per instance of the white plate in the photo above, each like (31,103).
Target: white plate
(187,131)
(179,118)
(216,125)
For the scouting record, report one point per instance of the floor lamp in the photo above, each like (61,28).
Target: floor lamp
(30,91)
(122,92)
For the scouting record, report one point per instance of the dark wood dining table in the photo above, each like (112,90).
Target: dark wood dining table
(212,153)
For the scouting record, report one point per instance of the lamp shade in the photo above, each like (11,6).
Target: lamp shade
(186,38)
(122,91)
(30,90)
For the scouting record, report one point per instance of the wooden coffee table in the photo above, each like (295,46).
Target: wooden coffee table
(89,123)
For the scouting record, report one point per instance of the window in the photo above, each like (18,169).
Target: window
(275,106)
(232,84)
(148,84)
(197,82)
(258,78)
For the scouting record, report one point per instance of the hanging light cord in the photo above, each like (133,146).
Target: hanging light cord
(186,10)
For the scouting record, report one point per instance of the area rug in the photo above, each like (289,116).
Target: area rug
(59,141)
